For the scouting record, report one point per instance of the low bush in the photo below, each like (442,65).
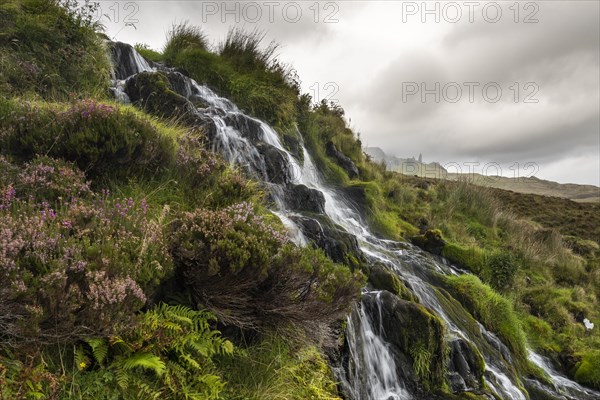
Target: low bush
(103,140)
(79,267)
(501,268)
(244,269)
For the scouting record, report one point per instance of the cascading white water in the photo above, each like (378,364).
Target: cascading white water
(563,385)
(372,372)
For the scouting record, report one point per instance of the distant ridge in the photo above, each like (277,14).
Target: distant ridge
(531,185)
(407,166)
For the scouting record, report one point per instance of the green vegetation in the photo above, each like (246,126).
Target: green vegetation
(107,212)
(494,311)
(49,51)
(273,370)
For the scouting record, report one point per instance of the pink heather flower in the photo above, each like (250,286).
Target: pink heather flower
(104,291)
(7,196)
(144,206)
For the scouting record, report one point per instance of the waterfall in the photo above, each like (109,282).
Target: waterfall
(371,372)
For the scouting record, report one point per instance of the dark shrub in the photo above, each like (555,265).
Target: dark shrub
(243,269)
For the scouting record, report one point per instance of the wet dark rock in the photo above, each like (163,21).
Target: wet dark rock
(338,244)
(293,144)
(248,127)
(496,343)
(342,160)
(415,336)
(124,61)
(303,198)
(183,86)
(456,382)
(466,362)
(538,392)
(357,195)
(276,164)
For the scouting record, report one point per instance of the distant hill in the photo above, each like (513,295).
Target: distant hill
(533,185)
(530,185)
(407,166)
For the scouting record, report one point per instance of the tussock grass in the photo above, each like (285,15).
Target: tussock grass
(182,37)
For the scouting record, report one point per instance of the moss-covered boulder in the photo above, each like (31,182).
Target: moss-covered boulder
(588,370)
(416,338)
(152,91)
(430,241)
(342,160)
(470,258)
(382,278)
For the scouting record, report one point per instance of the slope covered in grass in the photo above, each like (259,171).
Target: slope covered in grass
(108,213)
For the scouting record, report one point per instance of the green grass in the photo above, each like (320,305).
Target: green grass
(275,369)
(493,310)
(49,51)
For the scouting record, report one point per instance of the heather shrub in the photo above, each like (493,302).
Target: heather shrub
(51,180)
(81,268)
(103,140)
(244,269)
(195,162)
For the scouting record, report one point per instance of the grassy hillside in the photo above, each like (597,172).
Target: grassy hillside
(123,235)
(533,185)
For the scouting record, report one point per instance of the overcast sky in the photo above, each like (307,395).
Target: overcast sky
(460,82)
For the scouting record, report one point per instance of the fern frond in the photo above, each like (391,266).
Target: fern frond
(80,357)
(99,349)
(144,360)
(122,378)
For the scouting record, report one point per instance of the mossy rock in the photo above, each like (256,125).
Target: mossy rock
(472,258)
(416,336)
(338,244)
(381,278)
(153,92)
(588,370)
(431,241)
